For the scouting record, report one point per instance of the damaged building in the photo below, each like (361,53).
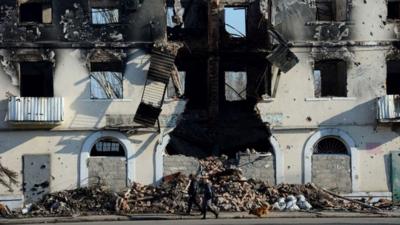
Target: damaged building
(116,92)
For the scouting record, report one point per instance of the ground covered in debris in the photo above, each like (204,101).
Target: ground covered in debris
(234,193)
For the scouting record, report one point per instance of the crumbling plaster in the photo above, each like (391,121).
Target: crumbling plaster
(291,17)
(71,81)
(66,149)
(301,113)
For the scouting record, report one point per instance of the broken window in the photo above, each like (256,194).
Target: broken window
(175,19)
(35,11)
(235,21)
(393,77)
(176,92)
(107,147)
(105,16)
(330,145)
(235,86)
(106,80)
(36,79)
(332,10)
(325,10)
(393,9)
(104,12)
(330,78)
(170,15)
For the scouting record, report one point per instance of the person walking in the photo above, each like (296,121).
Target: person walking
(193,191)
(207,199)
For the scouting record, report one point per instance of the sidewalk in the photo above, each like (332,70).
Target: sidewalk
(238,215)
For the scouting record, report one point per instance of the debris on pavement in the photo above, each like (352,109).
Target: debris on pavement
(4,210)
(234,193)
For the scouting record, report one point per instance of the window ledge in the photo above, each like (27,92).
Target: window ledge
(31,24)
(174,100)
(396,21)
(319,23)
(107,100)
(267,100)
(330,99)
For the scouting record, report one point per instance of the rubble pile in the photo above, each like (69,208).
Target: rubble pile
(169,197)
(94,200)
(233,193)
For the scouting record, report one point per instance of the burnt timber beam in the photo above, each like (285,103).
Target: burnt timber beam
(213,60)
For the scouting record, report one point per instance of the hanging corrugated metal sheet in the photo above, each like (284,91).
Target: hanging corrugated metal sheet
(35,109)
(161,67)
(389,108)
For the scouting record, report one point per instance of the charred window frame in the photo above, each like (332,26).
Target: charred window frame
(36,79)
(333,10)
(330,78)
(35,11)
(235,21)
(106,80)
(235,86)
(393,77)
(174,92)
(103,12)
(393,8)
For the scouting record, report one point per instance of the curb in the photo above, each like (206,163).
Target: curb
(144,217)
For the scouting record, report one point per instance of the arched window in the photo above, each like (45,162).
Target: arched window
(330,145)
(107,147)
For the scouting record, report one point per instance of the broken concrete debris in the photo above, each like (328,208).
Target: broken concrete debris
(234,193)
(4,210)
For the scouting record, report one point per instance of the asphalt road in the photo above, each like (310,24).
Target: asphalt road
(275,221)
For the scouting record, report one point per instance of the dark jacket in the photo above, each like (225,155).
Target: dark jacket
(193,187)
(208,192)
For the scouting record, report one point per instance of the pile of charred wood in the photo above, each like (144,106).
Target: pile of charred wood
(234,193)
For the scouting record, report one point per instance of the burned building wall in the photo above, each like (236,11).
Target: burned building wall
(355,114)
(72,21)
(294,112)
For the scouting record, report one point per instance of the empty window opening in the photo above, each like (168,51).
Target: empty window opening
(235,22)
(235,86)
(107,147)
(106,80)
(330,78)
(104,11)
(35,12)
(393,9)
(332,10)
(105,16)
(330,145)
(326,10)
(170,17)
(174,20)
(36,79)
(176,89)
(393,77)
